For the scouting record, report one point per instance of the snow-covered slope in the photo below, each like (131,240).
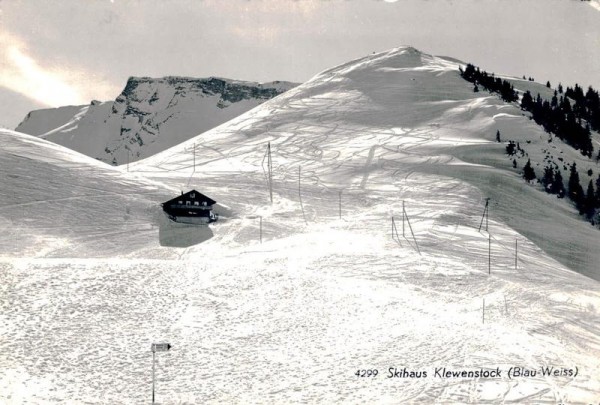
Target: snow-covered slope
(377,123)
(149,116)
(58,203)
(292,319)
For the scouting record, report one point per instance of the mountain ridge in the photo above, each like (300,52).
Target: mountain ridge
(150,115)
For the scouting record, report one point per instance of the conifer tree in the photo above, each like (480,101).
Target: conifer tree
(575,189)
(558,187)
(510,148)
(498,136)
(598,192)
(526,101)
(589,202)
(528,172)
(548,84)
(548,178)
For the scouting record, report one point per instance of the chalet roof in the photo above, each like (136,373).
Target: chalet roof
(191,195)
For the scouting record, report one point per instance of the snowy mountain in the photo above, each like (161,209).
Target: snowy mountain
(286,302)
(150,115)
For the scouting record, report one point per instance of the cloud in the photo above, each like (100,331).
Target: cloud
(267,20)
(49,85)
(595,4)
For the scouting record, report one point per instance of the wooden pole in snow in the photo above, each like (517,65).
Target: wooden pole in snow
(489,253)
(483,312)
(395,232)
(485,215)
(270,165)
(403,214)
(269,175)
(516,252)
(153,375)
(300,193)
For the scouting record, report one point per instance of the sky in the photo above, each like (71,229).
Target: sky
(69,52)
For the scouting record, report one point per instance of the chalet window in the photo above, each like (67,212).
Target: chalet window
(204,203)
(196,203)
(180,202)
(193,195)
(187,203)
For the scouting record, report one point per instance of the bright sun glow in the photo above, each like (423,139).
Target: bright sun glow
(53,87)
(27,77)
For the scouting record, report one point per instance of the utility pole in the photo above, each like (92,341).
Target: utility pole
(403,213)
(270,165)
(516,252)
(153,374)
(489,253)
(485,214)
(299,175)
(269,175)
(300,193)
(483,312)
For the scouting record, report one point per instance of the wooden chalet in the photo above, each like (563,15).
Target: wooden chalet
(192,207)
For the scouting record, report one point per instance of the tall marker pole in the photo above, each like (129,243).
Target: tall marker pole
(485,215)
(483,312)
(403,214)
(270,166)
(153,373)
(269,175)
(489,253)
(516,252)
(300,194)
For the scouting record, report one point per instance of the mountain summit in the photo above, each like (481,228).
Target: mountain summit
(150,115)
(403,120)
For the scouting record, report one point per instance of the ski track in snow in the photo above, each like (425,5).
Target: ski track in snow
(292,319)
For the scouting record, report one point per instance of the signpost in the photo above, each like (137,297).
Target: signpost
(157,347)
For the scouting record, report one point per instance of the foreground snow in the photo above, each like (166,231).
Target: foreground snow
(292,320)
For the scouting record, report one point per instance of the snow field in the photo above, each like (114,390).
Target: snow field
(290,320)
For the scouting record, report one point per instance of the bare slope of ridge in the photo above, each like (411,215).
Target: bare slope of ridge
(379,125)
(56,202)
(49,120)
(149,116)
